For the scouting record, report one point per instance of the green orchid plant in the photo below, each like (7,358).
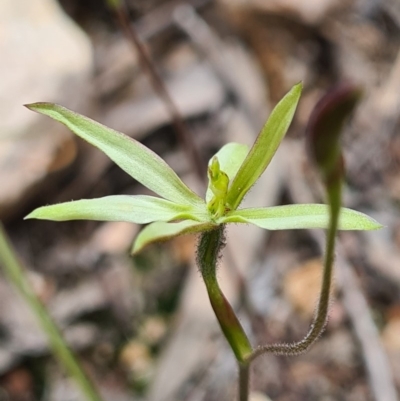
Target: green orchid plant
(231,172)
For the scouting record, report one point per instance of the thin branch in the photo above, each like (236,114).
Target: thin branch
(182,130)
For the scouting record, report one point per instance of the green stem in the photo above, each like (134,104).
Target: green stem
(321,315)
(244,376)
(209,248)
(17,276)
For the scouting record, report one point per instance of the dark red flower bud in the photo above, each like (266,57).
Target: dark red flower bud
(325,126)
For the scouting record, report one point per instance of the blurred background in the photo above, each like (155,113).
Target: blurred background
(142,326)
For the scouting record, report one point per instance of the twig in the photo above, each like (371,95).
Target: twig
(184,135)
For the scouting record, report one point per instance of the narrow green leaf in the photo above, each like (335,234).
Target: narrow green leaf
(300,216)
(133,157)
(230,158)
(139,209)
(264,147)
(160,231)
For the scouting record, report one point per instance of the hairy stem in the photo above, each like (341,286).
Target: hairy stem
(209,248)
(17,276)
(321,315)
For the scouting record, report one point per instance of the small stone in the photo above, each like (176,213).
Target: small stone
(257,396)
(153,330)
(391,335)
(135,358)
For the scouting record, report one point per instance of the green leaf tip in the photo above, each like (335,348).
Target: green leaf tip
(40,107)
(264,148)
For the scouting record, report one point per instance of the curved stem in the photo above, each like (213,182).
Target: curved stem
(321,315)
(209,249)
(210,246)
(16,275)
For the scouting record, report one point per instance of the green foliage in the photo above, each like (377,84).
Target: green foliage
(232,172)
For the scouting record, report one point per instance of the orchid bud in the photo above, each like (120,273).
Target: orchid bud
(325,126)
